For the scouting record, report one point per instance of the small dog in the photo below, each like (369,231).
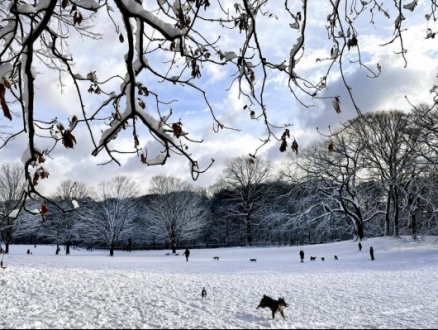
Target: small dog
(312,258)
(253,260)
(216,258)
(203,294)
(167,254)
(336,257)
(322,259)
(274,305)
(177,254)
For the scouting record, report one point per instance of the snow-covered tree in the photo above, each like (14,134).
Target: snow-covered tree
(110,217)
(59,226)
(246,180)
(12,186)
(176,212)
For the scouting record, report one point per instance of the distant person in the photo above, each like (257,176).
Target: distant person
(360,247)
(187,253)
(28,251)
(302,255)
(129,244)
(372,253)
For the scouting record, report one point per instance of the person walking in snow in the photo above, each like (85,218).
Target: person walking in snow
(372,253)
(360,247)
(187,253)
(302,255)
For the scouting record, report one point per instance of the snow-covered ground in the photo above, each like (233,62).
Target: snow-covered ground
(148,289)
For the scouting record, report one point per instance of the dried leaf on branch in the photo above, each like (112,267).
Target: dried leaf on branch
(177,130)
(285,134)
(295,146)
(330,147)
(44,209)
(283,145)
(68,140)
(336,104)
(3,103)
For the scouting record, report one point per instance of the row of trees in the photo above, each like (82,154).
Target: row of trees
(376,176)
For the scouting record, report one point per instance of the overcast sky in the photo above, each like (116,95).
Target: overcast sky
(105,57)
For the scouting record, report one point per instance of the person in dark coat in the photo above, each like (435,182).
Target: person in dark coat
(302,255)
(187,253)
(372,253)
(360,247)
(28,251)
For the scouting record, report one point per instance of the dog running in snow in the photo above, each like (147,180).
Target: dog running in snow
(312,258)
(322,259)
(253,260)
(274,305)
(203,294)
(216,258)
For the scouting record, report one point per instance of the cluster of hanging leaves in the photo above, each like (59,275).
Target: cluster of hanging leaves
(196,73)
(94,88)
(242,22)
(142,90)
(40,173)
(183,20)
(3,103)
(200,3)
(68,139)
(352,42)
(201,52)
(77,16)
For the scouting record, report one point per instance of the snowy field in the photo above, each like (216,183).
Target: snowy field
(147,289)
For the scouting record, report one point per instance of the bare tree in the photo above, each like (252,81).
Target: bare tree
(59,225)
(177,212)
(246,181)
(12,186)
(388,155)
(37,35)
(110,217)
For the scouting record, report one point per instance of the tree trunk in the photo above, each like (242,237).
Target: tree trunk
(387,219)
(67,249)
(396,214)
(360,233)
(414,225)
(248,230)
